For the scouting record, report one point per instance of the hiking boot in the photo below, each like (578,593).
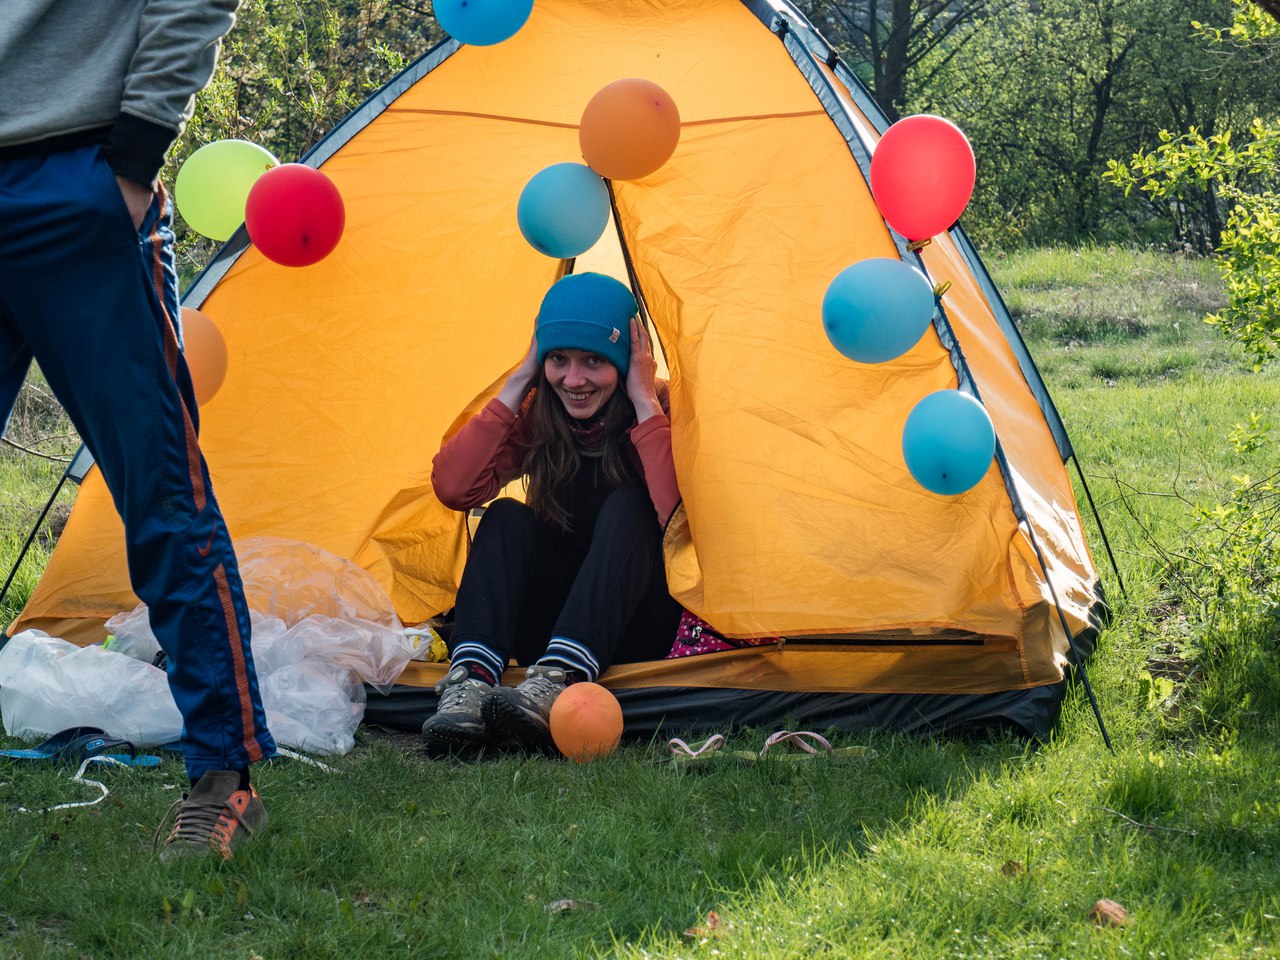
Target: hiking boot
(523,713)
(457,726)
(215,817)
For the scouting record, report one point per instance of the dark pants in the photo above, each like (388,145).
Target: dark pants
(526,581)
(94,301)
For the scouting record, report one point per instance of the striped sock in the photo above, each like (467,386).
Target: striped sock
(482,662)
(573,656)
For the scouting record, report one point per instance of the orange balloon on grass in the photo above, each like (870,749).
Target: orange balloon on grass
(206,354)
(629,129)
(586,722)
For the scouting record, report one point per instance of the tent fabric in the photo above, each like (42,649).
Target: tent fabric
(799,516)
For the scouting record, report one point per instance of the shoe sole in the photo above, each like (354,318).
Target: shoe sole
(451,740)
(506,720)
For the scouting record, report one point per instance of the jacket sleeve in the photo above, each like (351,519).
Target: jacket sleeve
(178,42)
(652,440)
(477,461)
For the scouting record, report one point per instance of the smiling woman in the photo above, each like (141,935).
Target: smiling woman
(572,581)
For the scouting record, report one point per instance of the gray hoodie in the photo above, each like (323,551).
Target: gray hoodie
(123,73)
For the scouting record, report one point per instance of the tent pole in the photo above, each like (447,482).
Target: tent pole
(1101,529)
(632,277)
(31,537)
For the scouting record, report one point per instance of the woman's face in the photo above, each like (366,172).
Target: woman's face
(583,381)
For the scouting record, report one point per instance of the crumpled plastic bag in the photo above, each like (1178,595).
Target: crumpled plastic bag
(373,652)
(130,634)
(320,624)
(313,705)
(47,685)
(293,580)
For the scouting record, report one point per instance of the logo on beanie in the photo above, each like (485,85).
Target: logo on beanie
(613,337)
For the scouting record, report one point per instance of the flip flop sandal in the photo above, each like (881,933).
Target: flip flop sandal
(57,748)
(808,746)
(77,744)
(684,756)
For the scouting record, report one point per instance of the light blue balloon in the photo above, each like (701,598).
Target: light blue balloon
(877,309)
(563,210)
(948,442)
(482,22)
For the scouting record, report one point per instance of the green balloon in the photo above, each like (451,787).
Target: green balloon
(213,184)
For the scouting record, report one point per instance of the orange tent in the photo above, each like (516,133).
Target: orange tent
(799,517)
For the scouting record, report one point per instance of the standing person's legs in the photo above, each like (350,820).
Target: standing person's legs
(96,303)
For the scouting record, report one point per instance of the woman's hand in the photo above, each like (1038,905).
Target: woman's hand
(522,379)
(642,388)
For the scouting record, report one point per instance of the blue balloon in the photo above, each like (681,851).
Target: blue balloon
(948,442)
(563,210)
(482,22)
(877,309)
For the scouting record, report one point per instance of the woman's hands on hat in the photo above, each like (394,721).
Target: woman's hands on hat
(522,379)
(642,375)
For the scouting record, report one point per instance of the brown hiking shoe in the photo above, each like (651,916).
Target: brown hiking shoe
(215,817)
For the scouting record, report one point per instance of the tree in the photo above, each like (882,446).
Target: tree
(290,70)
(893,43)
(1244,178)
(1053,88)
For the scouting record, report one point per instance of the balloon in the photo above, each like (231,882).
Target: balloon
(214,182)
(205,352)
(294,215)
(586,722)
(948,442)
(629,129)
(563,209)
(482,23)
(877,309)
(922,175)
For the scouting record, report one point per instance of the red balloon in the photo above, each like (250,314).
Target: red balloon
(922,175)
(294,215)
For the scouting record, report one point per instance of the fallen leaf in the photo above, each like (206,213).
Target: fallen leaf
(1108,913)
(712,929)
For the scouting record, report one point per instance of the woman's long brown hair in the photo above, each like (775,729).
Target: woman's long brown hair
(553,459)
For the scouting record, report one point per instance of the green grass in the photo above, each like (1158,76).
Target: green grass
(934,848)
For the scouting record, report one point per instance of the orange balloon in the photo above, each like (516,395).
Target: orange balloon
(206,354)
(629,129)
(586,722)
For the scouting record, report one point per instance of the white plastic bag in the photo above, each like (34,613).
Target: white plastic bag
(313,706)
(47,685)
(375,653)
(131,634)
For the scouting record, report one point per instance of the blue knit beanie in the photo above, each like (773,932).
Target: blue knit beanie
(588,311)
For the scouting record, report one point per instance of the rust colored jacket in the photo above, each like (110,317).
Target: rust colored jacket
(488,453)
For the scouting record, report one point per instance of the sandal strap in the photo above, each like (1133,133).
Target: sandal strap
(799,739)
(681,749)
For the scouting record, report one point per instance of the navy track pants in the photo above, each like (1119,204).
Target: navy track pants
(95,302)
